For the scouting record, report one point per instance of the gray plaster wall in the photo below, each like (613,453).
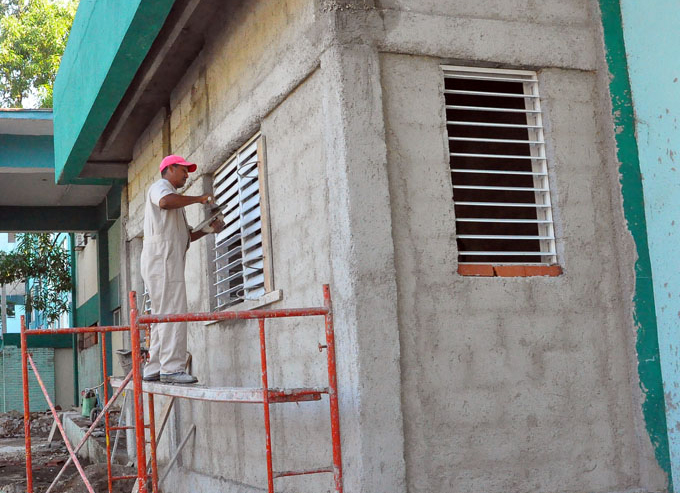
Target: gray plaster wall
(89,367)
(446,383)
(63,377)
(230,439)
(511,384)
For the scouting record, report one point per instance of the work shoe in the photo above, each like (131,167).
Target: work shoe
(154,377)
(178,377)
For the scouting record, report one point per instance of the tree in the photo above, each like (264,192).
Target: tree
(10,7)
(38,258)
(33,35)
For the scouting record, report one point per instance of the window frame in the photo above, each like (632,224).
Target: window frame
(270,294)
(536,142)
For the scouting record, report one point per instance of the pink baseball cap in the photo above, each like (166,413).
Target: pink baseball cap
(175,159)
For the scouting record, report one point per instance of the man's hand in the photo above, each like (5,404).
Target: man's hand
(214,227)
(218,225)
(206,199)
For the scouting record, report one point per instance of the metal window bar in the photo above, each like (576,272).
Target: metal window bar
(501,204)
(495,156)
(496,139)
(508,141)
(489,108)
(492,94)
(489,124)
(496,172)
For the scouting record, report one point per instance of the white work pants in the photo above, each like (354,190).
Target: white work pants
(163,274)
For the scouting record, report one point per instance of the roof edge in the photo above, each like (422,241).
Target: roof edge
(106,47)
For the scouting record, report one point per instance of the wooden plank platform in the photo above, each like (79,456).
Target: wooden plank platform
(228,394)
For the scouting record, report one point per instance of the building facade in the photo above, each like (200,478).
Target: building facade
(454,171)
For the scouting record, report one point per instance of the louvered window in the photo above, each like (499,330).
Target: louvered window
(242,268)
(498,167)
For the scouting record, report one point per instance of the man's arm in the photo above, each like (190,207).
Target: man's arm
(175,200)
(196,235)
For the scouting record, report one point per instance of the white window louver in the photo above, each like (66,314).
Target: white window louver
(146,301)
(238,263)
(498,166)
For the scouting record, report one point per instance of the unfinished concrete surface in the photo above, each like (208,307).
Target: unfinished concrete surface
(63,378)
(447,383)
(509,384)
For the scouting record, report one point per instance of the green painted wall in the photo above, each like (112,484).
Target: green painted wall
(11,386)
(57,218)
(647,344)
(107,44)
(88,313)
(42,340)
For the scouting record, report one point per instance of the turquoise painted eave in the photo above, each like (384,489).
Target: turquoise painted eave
(26,151)
(108,42)
(25,114)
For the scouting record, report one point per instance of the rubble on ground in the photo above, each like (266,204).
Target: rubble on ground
(12,424)
(98,478)
(49,458)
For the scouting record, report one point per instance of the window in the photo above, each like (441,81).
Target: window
(11,310)
(88,339)
(242,261)
(116,317)
(498,166)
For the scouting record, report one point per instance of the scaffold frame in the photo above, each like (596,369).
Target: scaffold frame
(263,395)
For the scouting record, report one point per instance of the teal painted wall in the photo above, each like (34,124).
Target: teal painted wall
(11,387)
(61,341)
(108,42)
(652,38)
(87,314)
(644,313)
(26,151)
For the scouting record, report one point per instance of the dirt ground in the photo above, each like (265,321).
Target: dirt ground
(48,460)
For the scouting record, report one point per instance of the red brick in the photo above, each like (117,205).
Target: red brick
(475,270)
(543,270)
(527,270)
(510,270)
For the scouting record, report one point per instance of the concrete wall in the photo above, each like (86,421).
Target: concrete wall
(90,367)
(529,385)
(446,383)
(654,72)
(86,278)
(63,378)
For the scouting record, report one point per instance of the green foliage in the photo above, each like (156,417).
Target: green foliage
(38,259)
(10,6)
(33,35)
